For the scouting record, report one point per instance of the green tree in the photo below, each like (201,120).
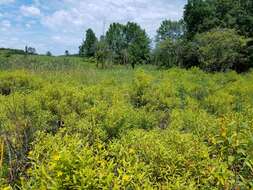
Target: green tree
(88,47)
(220,50)
(236,14)
(30,50)
(128,43)
(170,29)
(49,53)
(67,52)
(203,15)
(137,44)
(188,56)
(115,37)
(249,54)
(199,17)
(103,53)
(165,54)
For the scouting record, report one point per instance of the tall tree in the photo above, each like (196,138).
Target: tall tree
(103,53)
(137,43)
(170,30)
(128,43)
(116,39)
(88,47)
(199,16)
(67,52)
(48,53)
(30,50)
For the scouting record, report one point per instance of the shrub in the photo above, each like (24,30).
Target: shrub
(174,129)
(220,50)
(173,160)
(69,163)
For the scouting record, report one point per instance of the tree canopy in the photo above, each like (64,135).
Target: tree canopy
(87,49)
(220,50)
(203,15)
(170,29)
(128,42)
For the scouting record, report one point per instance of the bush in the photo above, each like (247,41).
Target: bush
(220,50)
(70,163)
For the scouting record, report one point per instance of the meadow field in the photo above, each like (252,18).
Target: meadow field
(66,124)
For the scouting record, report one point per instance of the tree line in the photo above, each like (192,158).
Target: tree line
(122,44)
(214,35)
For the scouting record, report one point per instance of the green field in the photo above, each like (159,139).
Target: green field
(66,124)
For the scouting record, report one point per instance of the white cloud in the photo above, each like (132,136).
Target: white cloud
(77,16)
(6,1)
(60,24)
(30,10)
(66,40)
(5,25)
(59,19)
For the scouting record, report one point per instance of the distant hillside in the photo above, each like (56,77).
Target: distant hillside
(9,51)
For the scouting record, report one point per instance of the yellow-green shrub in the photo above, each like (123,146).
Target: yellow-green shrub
(172,129)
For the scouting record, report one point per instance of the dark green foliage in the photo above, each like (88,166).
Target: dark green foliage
(66,52)
(9,52)
(48,53)
(188,55)
(198,17)
(249,52)
(115,37)
(30,50)
(220,50)
(88,47)
(203,15)
(137,44)
(128,43)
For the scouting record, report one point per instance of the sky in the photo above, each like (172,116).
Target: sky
(59,25)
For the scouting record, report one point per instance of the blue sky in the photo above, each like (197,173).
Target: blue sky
(59,25)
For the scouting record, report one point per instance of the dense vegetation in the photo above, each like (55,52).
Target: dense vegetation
(185,43)
(66,123)
(79,127)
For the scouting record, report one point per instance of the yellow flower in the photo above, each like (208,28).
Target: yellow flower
(56,157)
(7,188)
(126,178)
(59,173)
(131,151)
(223,132)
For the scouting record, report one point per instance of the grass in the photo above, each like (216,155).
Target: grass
(69,69)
